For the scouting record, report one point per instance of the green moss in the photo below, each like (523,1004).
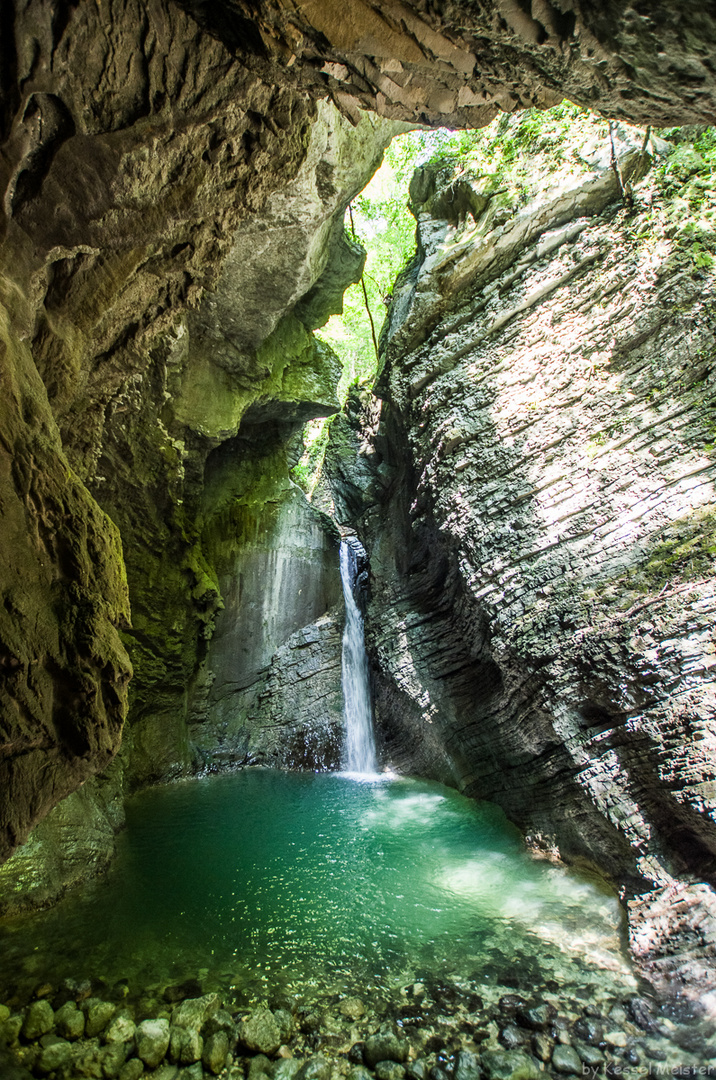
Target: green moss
(687,551)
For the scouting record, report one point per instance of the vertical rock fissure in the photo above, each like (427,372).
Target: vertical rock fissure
(358,715)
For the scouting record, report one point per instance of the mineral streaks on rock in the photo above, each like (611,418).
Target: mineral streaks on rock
(459,63)
(135,146)
(269,688)
(551,609)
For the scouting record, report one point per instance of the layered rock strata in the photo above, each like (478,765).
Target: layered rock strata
(147,160)
(540,523)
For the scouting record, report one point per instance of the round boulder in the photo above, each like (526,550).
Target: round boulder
(152,1039)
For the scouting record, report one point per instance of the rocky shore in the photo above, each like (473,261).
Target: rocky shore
(430,1029)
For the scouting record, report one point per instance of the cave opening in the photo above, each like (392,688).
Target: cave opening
(530,471)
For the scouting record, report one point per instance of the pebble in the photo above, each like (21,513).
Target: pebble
(615,1038)
(39,1019)
(260,1033)
(352,1008)
(384,1047)
(57,1055)
(152,1039)
(588,1030)
(194,1012)
(467,1067)
(542,1046)
(70,1021)
(389,1070)
(565,1059)
(590,1055)
(132,1070)
(314,1068)
(509,1065)
(538,1017)
(215,1052)
(97,1015)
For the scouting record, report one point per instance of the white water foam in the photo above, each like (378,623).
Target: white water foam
(360,756)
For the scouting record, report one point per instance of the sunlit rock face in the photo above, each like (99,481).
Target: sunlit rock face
(540,522)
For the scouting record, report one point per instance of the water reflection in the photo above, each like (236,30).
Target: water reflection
(309,875)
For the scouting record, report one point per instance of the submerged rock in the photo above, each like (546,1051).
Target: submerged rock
(39,1019)
(565,1059)
(152,1039)
(54,1057)
(194,1012)
(70,1021)
(260,1033)
(215,1052)
(509,1065)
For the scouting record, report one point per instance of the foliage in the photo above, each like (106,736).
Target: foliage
(307,471)
(384,225)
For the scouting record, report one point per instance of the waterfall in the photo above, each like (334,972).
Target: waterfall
(360,745)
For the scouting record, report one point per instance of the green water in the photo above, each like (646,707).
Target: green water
(298,880)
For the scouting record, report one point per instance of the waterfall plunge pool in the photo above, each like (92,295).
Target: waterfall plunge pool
(262,883)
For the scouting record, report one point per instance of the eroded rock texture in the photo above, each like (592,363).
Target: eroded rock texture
(540,521)
(147,305)
(457,63)
(171,182)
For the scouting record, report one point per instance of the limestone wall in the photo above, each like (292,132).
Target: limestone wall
(543,603)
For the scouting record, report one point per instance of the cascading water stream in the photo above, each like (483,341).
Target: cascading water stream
(360,744)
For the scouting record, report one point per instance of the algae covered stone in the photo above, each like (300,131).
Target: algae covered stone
(260,1033)
(152,1038)
(385,1047)
(216,1049)
(39,1019)
(194,1012)
(509,1065)
(70,1021)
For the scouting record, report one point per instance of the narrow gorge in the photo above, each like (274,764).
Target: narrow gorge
(190,885)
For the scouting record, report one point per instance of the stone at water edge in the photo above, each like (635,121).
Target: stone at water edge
(385,1047)
(565,1059)
(589,1054)
(216,1050)
(121,1028)
(286,1069)
(132,1070)
(57,1055)
(152,1039)
(352,1008)
(185,1045)
(467,1066)
(316,1067)
(98,1014)
(39,1019)
(389,1070)
(70,1021)
(166,1072)
(260,1033)
(509,1065)
(538,1017)
(113,1057)
(194,1012)
(542,1046)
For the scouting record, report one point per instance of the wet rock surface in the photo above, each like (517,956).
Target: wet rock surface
(543,546)
(235,1037)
